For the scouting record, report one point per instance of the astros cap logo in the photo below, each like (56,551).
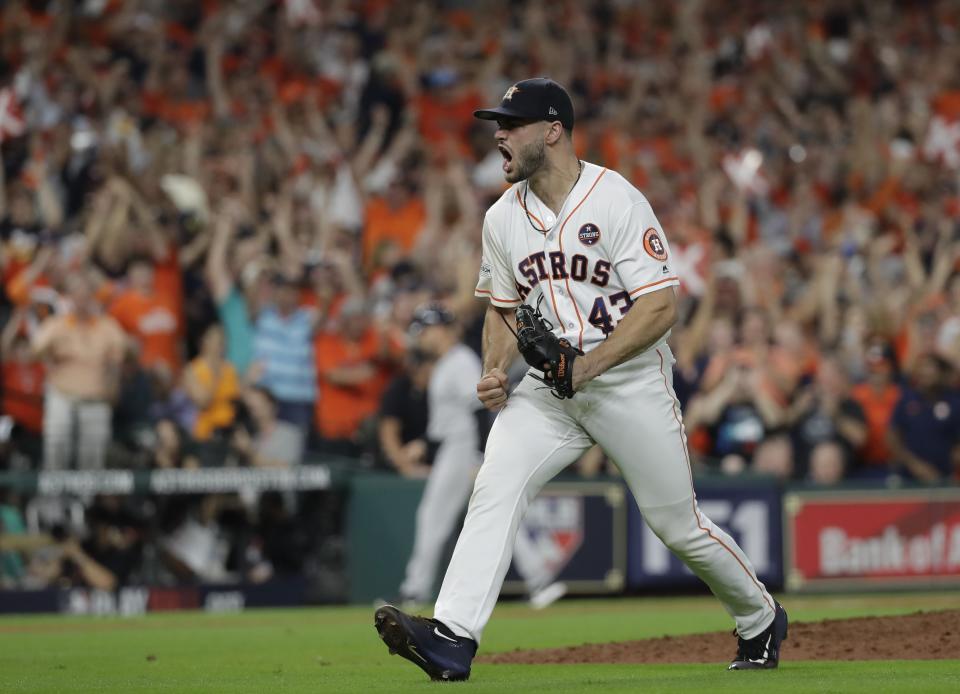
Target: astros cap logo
(653,245)
(510,92)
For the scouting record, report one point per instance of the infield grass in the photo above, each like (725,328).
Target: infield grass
(337,650)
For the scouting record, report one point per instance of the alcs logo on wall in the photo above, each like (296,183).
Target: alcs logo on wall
(550,534)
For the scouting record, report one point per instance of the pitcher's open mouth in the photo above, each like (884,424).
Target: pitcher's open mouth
(507,156)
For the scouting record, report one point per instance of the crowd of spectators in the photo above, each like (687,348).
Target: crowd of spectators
(218,217)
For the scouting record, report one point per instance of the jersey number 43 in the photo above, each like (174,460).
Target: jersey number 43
(600,317)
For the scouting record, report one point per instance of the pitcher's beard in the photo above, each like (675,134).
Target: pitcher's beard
(528,161)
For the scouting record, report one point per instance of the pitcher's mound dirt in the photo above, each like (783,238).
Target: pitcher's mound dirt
(918,636)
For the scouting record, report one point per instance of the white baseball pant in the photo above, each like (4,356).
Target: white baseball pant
(444,497)
(633,413)
(78,429)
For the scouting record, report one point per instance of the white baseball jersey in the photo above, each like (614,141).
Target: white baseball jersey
(589,263)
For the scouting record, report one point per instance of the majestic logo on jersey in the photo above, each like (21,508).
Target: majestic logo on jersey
(653,245)
(485,269)
(510,92)
(589,234)
(550,535)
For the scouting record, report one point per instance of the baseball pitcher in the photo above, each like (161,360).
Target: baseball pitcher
(579,278)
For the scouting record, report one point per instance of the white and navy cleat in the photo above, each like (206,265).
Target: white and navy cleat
(427,643)
(763,650)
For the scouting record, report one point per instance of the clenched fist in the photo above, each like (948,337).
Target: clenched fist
(492,389)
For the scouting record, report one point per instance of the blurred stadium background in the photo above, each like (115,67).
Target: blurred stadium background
(246,200)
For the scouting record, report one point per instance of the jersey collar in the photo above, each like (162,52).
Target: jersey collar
(538,211)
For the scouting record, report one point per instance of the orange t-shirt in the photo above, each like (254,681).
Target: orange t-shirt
(153,323)
(341,409)
(220,411)
(878,410)
(386,225)
(23,393)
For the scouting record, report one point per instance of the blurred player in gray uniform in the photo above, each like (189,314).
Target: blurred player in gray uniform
(454,436)
(456,428)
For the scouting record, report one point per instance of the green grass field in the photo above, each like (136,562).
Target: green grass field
(337,650)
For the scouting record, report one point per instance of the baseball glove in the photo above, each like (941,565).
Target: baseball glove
(545,351)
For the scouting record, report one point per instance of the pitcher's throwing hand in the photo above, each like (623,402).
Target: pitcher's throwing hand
(492,389)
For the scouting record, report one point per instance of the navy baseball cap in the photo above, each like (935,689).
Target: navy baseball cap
(534,99)
(430,314)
